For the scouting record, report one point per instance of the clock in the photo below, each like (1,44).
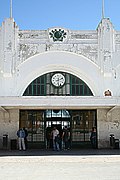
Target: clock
(58,80)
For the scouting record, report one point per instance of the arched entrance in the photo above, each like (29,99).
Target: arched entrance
(40,122)
(43,63)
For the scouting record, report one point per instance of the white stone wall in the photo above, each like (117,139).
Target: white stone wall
(108,122)
(9,124)
(79,42)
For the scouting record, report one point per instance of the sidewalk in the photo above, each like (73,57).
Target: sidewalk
(82,164)
(72,152)
(85,164)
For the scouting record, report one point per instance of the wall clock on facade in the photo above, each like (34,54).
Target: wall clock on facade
(58,80)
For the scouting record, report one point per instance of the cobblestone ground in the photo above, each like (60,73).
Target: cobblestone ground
(85,167)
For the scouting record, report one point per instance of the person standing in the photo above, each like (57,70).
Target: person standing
(93,138)
(21,139)
(66,138)
(55,137)
(26,135)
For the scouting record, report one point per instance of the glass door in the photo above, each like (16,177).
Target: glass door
(82,123)
(33,121)
(58,119)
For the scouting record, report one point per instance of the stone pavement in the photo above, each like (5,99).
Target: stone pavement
(72,152)
(85,164)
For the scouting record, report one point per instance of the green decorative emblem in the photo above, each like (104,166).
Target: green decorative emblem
(57,35)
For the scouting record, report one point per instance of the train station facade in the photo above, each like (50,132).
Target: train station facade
(58,77)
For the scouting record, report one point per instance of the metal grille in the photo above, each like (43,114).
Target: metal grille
(73,86)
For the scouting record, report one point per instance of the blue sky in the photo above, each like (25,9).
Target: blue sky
(70,14)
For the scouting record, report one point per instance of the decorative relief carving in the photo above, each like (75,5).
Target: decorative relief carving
(90,51)
(31,43)
(83,36)
(48,47)
(26,51)
(106,25)
(117,38)
(107,61)
(108,93)
(117,42)
(57,34)
(9,46)
(107,55)
(32,34)
(117,47)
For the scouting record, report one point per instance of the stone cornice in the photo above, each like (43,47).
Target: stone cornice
(59,102)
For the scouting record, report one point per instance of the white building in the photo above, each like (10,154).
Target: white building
(58,77)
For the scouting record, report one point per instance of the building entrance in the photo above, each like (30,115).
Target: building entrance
(40,123)
(58,119)
(82,123)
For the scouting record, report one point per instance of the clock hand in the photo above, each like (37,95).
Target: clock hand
(61,78)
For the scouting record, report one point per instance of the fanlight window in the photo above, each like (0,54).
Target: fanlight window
(47,84)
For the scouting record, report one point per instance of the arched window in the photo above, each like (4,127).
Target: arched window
(58,83)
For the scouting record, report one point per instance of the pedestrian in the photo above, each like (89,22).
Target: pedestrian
(66,138)
(55,137)
(26,135)
(48,138)
(93,137)
(21,139)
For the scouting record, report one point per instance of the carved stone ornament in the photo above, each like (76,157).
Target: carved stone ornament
(108,93)
(57,34)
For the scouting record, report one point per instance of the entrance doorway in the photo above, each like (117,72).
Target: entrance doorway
(82,123)
(33,121)
(58,119)
(40,123)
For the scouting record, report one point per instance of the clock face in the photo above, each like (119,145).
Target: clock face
(58,79)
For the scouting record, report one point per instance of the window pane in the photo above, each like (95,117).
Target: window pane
(77,90)
(73,90)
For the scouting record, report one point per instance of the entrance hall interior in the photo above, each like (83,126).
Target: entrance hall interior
(40,123)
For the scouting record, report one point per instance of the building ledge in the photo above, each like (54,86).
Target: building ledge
(59,102)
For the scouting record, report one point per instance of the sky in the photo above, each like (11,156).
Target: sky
(70,14)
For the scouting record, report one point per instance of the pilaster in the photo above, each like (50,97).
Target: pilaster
(106,46)
(9,41)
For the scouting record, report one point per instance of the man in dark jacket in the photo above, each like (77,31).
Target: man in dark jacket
(66,138)
(21,140)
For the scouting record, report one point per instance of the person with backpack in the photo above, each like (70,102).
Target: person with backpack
(66,138)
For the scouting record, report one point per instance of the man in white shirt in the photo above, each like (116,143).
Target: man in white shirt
(55,136)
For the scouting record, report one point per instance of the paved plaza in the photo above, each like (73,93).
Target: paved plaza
(49,165)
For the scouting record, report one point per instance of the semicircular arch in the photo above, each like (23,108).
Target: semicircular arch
(72,63)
